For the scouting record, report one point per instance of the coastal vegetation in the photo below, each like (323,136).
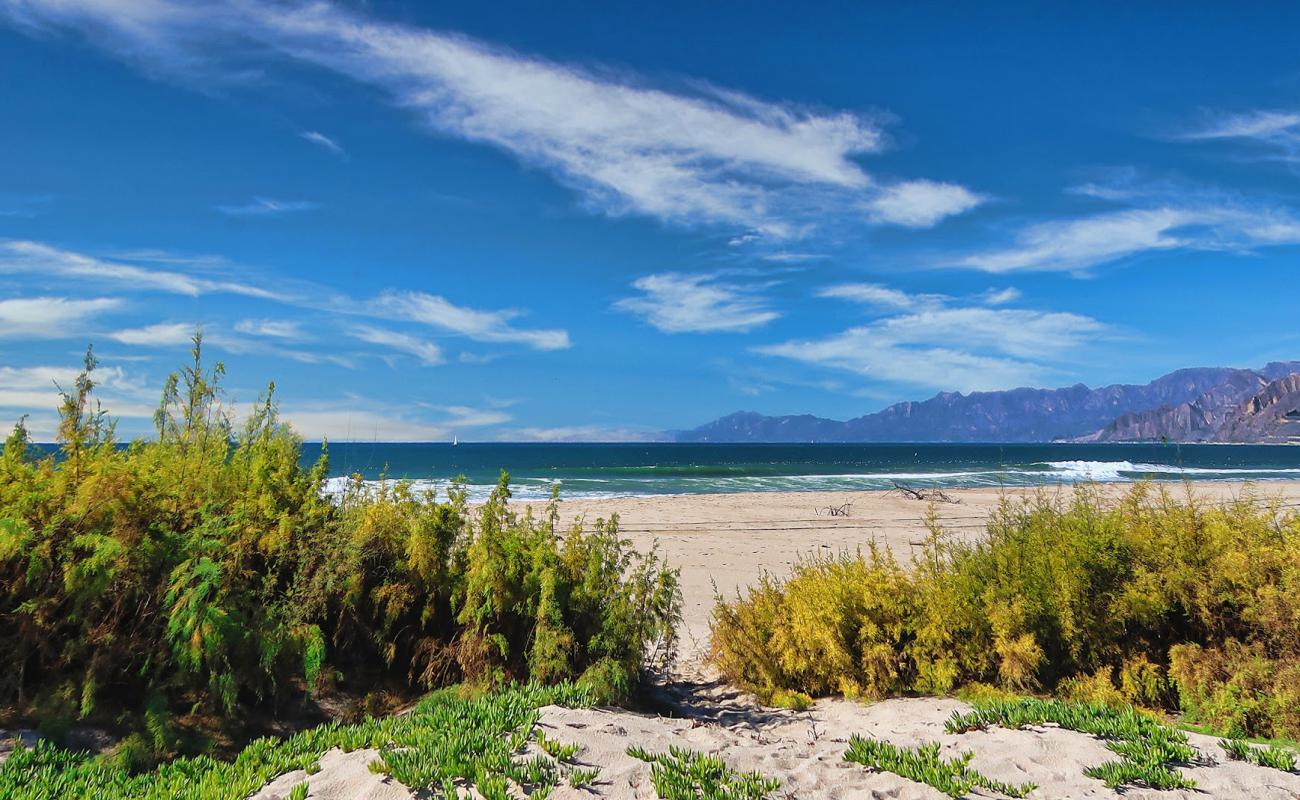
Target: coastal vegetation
(1151,599)
(174,588)
(1148,750)
(952,776)
(682,774)
(1272,755)
(446,742)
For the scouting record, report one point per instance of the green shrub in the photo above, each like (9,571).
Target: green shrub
(204,571)
(1145,599)
(952,776)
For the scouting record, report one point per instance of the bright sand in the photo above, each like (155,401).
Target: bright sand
(728,540)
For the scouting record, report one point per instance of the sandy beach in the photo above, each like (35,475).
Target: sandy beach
(728,540)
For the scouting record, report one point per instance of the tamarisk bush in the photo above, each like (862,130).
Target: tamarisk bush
(1144,599)
(203,571)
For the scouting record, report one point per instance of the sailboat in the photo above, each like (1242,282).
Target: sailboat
(455,440)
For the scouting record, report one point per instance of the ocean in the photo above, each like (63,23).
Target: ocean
(620,470)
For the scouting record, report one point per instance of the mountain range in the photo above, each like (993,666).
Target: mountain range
(1202,404)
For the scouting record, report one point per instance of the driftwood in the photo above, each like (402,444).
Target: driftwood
(924,494)
(834,511)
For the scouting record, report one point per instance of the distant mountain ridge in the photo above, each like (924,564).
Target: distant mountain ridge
(1196,404)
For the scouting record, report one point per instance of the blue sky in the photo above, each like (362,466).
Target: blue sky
(538,222)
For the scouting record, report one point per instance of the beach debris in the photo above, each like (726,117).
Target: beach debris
(834,511)
(924,494)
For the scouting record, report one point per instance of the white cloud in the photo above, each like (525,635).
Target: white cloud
(1252,125)
(678,303)
(35,258)
(579,433)
(34,391)
(26,257)
(470,417)
(33,387)
(49,317)
(267,206)
(1000,297)
(1073,245)
(921,203)
(1076,245)
(361,420)
(163,334)
(873,294)
(694,156)
(270,328)
(428,353)
(360,425)
(481,326)
(321,140)
(936,341)
(967,349)
(1275,131)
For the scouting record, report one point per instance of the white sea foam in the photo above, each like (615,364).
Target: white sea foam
(1048,472)
(1127,470)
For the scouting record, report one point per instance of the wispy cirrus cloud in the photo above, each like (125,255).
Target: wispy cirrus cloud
(887,298)
(325,142)
(937,342)
(874,294)
(1275,132)
(50,317)
(78,269)
(270,328)
(675,302)
(695,155)
(161,334)
(359,419)
(427,353)
(482,326)
(1001,297)
(171,335)
(267,207)
(1081,243)
(36,258)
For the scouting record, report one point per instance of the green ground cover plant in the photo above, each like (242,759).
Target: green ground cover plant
(166,588)
(1153,598)
(682,774)
(1274,756)
(952,776)
(1148,749)
(445,742)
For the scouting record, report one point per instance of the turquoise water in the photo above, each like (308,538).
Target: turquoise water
(615,470)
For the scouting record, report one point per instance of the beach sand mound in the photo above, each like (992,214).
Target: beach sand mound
(804,750)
